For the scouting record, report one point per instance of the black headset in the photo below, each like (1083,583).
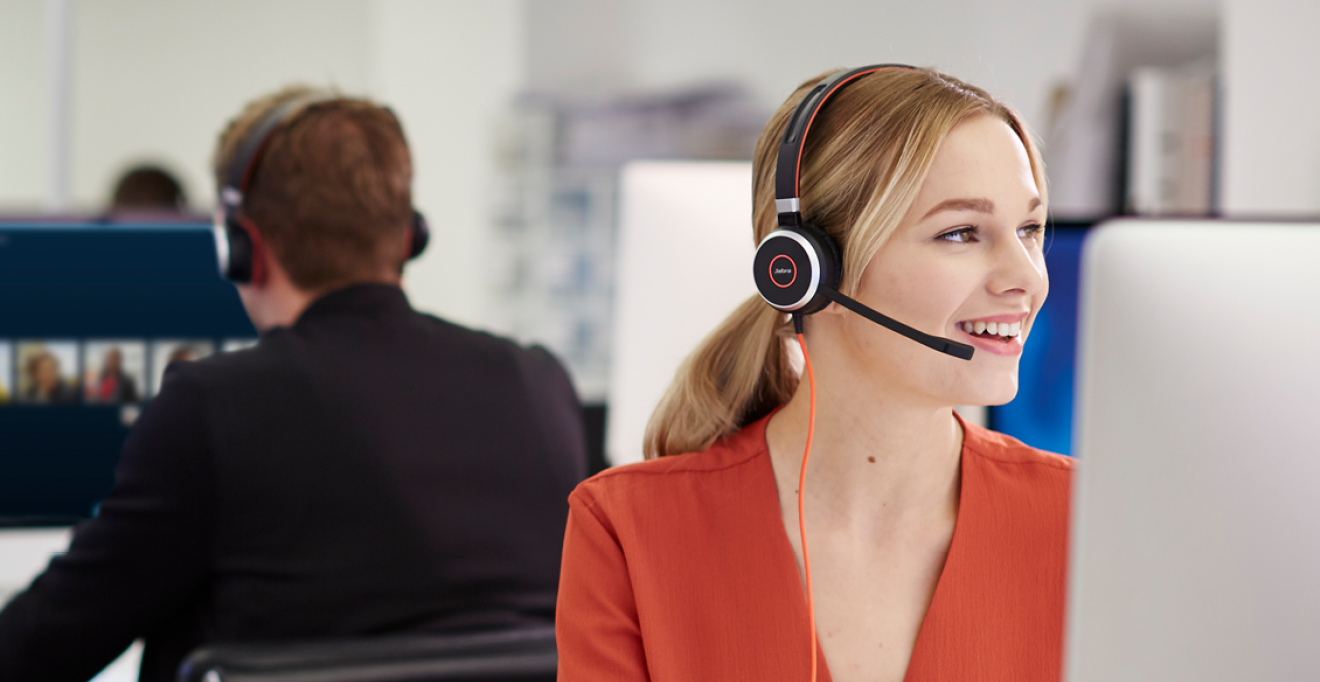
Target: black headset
(798,267)
(236,235)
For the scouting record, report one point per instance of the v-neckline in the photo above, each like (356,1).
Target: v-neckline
(787,557)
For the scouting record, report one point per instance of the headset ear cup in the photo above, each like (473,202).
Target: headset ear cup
(792,265)
(832,256)
(238,265)
(831,265)
(420,235)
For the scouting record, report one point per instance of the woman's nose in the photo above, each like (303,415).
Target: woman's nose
(1018,267)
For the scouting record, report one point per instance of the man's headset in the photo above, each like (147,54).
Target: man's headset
(236,236)
(798,267)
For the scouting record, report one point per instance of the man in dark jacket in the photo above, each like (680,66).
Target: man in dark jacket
(364,469)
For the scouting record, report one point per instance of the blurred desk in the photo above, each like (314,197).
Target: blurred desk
(24,553)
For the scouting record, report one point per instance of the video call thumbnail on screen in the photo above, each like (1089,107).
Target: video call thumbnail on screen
(94,371)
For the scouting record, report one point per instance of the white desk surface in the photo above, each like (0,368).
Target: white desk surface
(24,553)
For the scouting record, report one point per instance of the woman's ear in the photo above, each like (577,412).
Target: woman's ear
(831,309)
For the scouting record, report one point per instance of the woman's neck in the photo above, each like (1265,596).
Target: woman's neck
(876,457)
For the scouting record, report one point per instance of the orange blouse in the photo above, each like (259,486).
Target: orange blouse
(679,570)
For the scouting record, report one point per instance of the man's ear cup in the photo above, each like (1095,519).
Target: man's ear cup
(239,266)
(421,235)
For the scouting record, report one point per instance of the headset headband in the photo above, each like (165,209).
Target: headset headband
(788,167)
(244,165)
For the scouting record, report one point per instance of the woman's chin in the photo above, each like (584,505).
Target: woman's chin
(990,398)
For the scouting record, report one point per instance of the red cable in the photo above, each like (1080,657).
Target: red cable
(802,519)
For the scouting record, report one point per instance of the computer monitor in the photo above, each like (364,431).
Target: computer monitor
(90,315)
(1197,507)
(1041,415)
(684,256)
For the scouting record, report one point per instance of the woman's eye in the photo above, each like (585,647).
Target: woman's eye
(962,235)
(1033,231)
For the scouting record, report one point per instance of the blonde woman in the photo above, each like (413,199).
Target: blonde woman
(936,548)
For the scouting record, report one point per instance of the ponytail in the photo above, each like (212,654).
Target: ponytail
(738,374)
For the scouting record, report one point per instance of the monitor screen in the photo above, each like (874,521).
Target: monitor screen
(90,315)
(1194,553)
(1042,413)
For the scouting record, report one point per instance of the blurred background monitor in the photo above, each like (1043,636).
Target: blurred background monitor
(1194,532)
(684,263)
(1042,413)
(90,314)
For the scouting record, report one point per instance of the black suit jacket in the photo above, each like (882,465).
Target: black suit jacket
(368,470)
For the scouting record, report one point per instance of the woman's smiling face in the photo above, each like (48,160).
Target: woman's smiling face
(965,260)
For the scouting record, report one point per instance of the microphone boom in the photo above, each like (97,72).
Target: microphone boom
(961,351)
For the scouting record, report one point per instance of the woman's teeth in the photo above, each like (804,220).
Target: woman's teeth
(1003,329)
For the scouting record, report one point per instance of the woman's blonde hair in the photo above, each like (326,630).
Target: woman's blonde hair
(862,166)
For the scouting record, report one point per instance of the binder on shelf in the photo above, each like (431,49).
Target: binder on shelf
(1171,141)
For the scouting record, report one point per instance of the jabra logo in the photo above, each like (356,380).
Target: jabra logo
(783,271)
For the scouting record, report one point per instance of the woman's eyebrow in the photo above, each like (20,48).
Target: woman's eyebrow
(978,205)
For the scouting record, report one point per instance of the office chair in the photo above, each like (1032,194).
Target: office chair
(523,655)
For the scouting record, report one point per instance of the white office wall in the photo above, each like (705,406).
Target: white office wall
(22,105)
(450,68)
(154,80)
(157,79)
(578,45)
(1016,49)
(1271,128)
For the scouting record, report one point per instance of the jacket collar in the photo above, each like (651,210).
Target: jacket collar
(367,299)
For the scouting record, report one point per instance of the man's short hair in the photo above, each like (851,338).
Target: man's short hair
(331,193)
